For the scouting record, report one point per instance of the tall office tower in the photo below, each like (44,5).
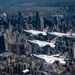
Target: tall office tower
(14,36)
(7,38)
(6,41)
(73,53)
(37,19)
(2,29)
(37,16)
(20,19)
(41,23)
(55,20)
(49,50)
(9,70)
(20,66)
(2,44)
(18,49)
(26,25)
(10,28)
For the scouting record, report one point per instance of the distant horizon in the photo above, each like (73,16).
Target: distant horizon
(34,2)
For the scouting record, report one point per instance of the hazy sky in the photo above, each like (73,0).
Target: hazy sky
(31,2)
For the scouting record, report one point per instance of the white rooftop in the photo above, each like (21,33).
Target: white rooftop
(25,71)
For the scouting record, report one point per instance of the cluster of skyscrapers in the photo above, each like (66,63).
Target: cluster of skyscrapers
(15,50)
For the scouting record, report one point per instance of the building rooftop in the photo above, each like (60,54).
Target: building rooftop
(6,54)
(25,71)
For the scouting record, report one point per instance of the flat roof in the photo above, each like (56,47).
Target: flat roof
(25,71)
(6,54)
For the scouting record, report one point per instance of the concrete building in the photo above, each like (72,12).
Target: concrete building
(41,23)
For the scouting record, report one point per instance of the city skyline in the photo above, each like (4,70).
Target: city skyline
(37,28)
(36,2)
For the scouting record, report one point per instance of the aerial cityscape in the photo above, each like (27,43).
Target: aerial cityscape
(37,37)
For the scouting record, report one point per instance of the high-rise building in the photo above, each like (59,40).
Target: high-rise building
(9,70)
(2,28)
(18,49)
(37,19)
(6,38)
(37,16)
(2,44)
(20,66)
(55,20)
(20,19)
(11,47)
(41,23)
(73,52)
(10,28)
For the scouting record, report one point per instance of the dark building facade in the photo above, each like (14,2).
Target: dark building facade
(2,44)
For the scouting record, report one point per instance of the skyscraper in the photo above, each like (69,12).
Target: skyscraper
(73,53)
(41,23)
(20,19)
(2,44)
(55,20)
(37,19)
